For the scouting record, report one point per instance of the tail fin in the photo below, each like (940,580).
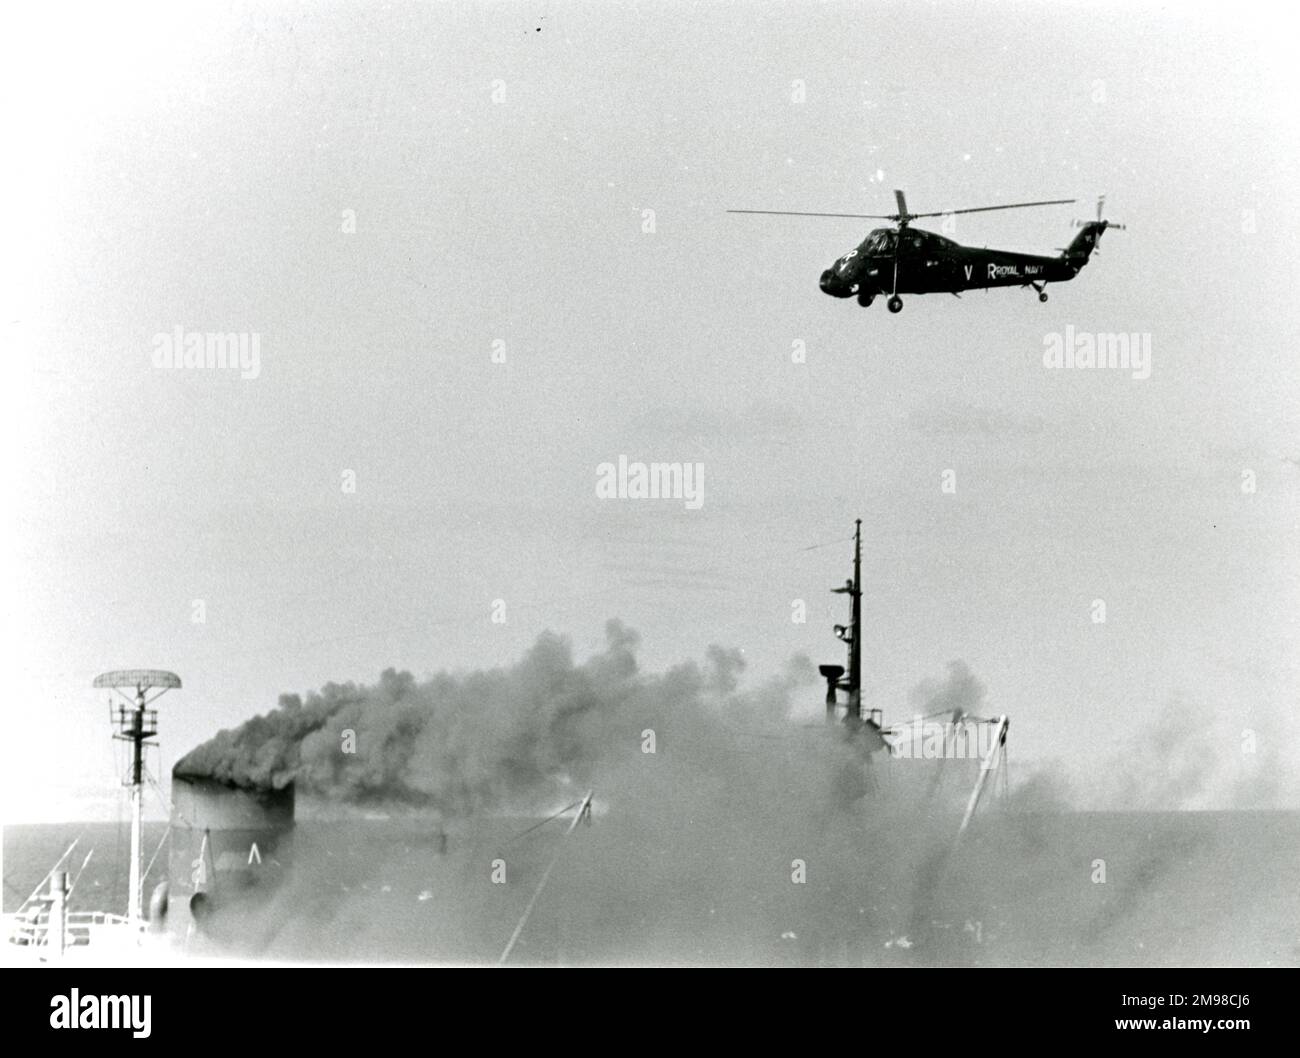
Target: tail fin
(1077,253)
(1080,249)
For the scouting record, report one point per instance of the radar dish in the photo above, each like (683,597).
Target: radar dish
(138,679)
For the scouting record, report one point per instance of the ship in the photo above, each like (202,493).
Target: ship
(44,928)
(223,843)
(229,846)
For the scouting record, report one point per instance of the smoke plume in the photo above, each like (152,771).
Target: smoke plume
(461,743)
(725,830)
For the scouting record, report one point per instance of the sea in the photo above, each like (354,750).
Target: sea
(1209,888)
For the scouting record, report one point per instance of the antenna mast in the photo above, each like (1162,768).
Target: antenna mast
(136,723)
(855,644)
(850,634)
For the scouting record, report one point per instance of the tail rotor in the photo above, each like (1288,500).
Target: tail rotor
(1104,224)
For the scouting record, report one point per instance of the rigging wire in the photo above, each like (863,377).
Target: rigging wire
(543,823)
(73,887)
(162,797)
(828,543)
(163,839)
(66,852)
(584,810)
(420,624)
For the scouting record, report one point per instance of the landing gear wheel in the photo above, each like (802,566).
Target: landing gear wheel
(865,298)
(1042,295)
(895,304)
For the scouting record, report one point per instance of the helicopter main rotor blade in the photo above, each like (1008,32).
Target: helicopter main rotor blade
(903,216)
(986,209)
(792,213)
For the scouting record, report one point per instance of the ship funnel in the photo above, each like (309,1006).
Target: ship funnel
(228,843)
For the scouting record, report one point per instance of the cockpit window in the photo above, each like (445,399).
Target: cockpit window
(879,242)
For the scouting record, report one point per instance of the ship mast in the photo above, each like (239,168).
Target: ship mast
(855,643)
(849,634)
(136,724)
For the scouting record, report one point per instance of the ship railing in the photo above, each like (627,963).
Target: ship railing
(82,927)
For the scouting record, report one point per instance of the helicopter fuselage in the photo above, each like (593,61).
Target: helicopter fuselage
(913,261)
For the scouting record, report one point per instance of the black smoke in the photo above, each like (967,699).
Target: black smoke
(458,743)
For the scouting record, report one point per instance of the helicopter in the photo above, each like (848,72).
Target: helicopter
(907,260)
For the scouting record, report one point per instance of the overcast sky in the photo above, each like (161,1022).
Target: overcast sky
(202,170)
